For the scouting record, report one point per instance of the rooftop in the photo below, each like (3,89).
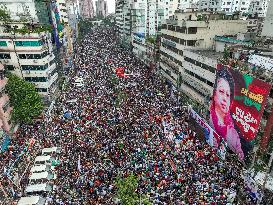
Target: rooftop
(208,53)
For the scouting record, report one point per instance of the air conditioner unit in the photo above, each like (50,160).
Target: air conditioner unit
(35,61)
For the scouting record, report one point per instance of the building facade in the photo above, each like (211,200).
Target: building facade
(268,22)
(5,109)
(87,9)
(228,6)
(31,57)
(193,72)
(101,8)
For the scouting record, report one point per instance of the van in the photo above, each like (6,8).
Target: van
(51,150)
(72,101)
(32,200)
(38,188)
(47,160)
(41,177)
(40,168)
(78,80)
(79,84)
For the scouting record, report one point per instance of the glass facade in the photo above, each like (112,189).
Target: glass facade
(34,67)
(28,43)
(36,79)
(3,43)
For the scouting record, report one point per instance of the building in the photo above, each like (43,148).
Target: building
(5,109)
(228,6)
(31,57)
(101,8)
(146,23)
(87,9)
(268,22)
(190,31)
(123,22)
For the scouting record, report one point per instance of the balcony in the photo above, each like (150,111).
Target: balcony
(171,21)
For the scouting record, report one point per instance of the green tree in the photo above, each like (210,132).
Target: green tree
(4,15)
(126,191)
(25,100)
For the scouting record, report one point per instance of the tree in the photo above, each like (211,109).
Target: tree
(4,15)
(25,100)
(126,191)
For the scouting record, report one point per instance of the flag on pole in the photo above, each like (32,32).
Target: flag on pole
(120,72)
(79,164)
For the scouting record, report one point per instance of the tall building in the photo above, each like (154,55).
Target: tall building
(194,30)
(87,9)
(268,23)
(31,57)
(101,8)
(228,6)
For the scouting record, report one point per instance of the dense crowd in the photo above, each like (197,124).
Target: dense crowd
(117,126)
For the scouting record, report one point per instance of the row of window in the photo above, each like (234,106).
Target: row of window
(180,41)
(175,50)
(36,79)
(4,56)
(194,88)
(41,90)
(171,58)
(199,64)
(183,29)
(33,56)
(173,68)
(199,77)
(34,67)
(9,67)
(168,72)
(28,43)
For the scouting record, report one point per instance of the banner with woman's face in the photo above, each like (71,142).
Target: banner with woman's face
(236,108)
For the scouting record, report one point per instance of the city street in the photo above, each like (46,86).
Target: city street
(110,124)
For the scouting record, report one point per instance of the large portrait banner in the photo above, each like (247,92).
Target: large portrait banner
(236,108)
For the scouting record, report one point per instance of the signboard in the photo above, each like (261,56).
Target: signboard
(212,138)
(236,108)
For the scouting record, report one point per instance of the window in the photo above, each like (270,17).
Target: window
(28,43)
(191,42)
(42,90)
(9,67)
(33,56)
(228,3)
(36,79)
(51,62)
(180,29)
(3,43)
(4,56)
(34,67)
(192,30)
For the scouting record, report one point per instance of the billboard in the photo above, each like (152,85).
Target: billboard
(204,130)
(236,108)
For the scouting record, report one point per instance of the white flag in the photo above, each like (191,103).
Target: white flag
(79,164)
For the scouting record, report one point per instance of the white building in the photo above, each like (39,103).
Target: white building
(178,36)
(30,56)
(268,23)
(101,8)
(228,6)
(147,18)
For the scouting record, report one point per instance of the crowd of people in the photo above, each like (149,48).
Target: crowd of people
(122,125)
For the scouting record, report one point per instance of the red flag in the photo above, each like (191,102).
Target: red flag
(173,165)
(120,72)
